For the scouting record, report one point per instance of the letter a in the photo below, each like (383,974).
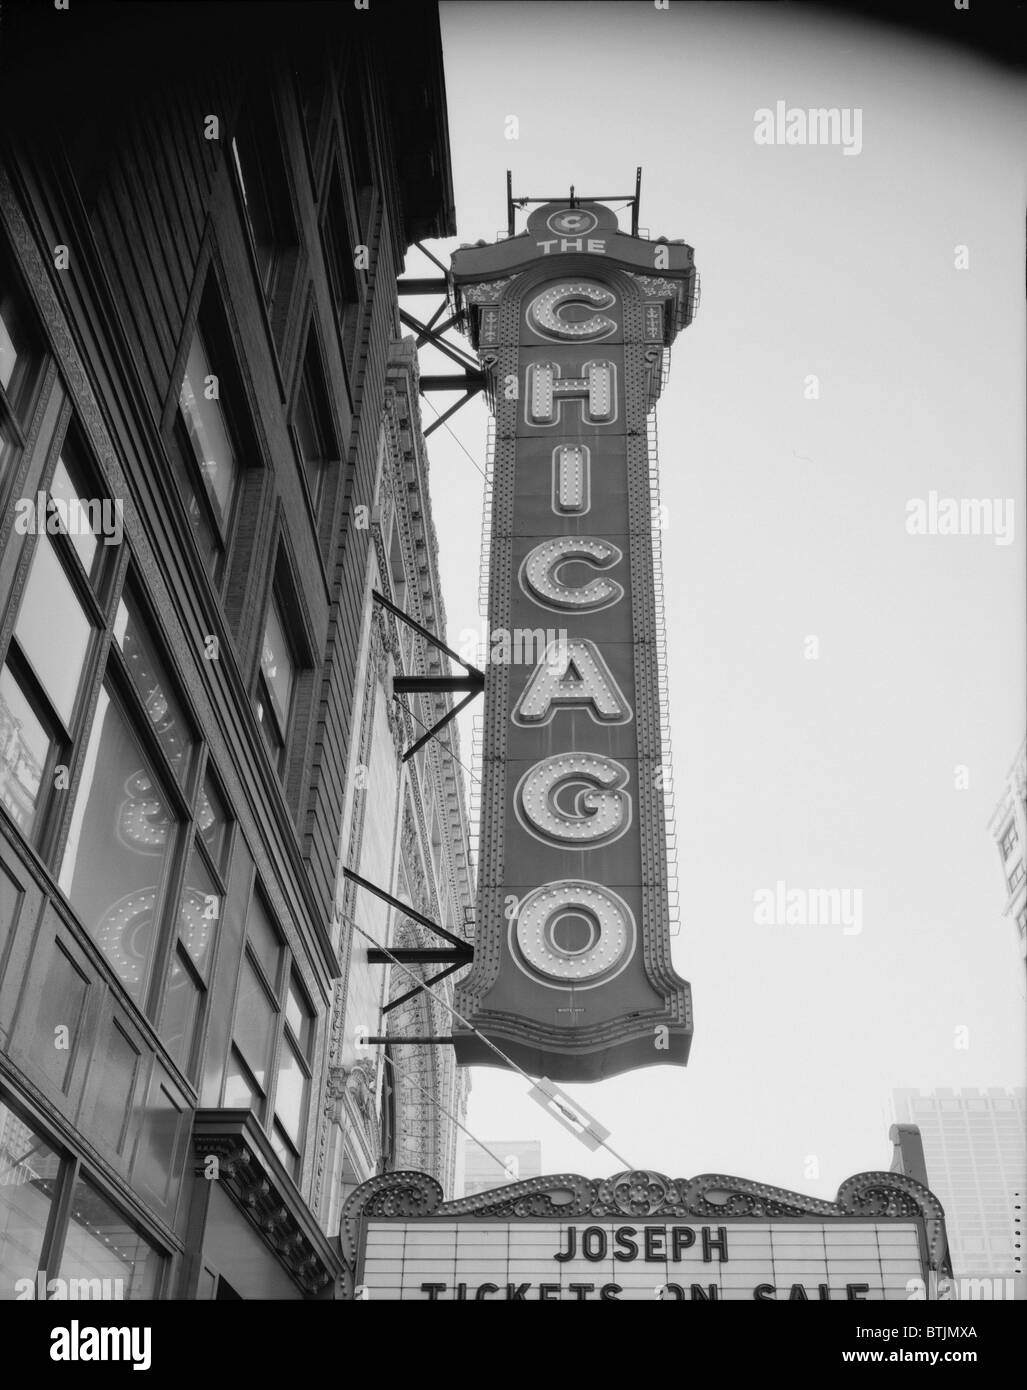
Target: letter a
(571,675)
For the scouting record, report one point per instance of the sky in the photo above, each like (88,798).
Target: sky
(787,519)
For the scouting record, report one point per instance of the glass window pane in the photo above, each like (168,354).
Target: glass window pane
(239,1093)
(291,1094)
(203,532)
(149,675)
(277,666)
(255,1018)
(199,912)
(80,522)
(29,1170)
(24,748)
(8,350)
(212,819)
(52,629)
(7,446)
(264,940)
(283,1150)
(253,185)
(299,1017)
(101,1244)
(208,431)
(120,842)
(181,1012)
(16,348)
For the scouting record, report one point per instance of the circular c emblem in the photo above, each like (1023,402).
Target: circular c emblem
(572,222)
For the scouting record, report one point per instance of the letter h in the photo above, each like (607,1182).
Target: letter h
(597,390)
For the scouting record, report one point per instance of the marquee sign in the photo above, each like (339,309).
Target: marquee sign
(642,1236)
(572,975)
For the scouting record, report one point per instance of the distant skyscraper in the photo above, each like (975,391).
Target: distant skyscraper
(1008,825)
(519,1159)
(976,1156)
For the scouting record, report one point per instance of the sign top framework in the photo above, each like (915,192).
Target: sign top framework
(572,320)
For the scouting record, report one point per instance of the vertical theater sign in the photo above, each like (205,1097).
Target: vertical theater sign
(572,976)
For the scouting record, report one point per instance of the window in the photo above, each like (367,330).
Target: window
(292,1092)
(309,76)
(138,811)
(120,846)
(275,682)
(1009,839)
(55,1219)
(339,260)
(199,913)
(269,1066)
(208,468)
(356,119)
(264,190)
(21,358)
(1021,921)
(312,422)
(54,639)
(1017,876)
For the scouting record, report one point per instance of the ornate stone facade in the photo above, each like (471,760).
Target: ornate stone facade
(396,1107)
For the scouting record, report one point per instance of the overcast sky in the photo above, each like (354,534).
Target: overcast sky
(787,519)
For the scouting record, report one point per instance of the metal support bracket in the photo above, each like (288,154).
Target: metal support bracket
(473,682)
(459,954)
(471,379)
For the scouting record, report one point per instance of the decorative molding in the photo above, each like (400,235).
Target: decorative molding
(251,1174)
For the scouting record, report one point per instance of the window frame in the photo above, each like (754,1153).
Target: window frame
(210,323)
(218,869)
(18,404)
(72,1168)
(258,128)
(94,594)
(276,991)
(311,364)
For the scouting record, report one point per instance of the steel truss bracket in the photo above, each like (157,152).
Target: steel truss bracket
(459,953)
(470,379)
(473,682)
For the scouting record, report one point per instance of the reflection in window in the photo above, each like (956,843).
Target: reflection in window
(277,674)
(182,1003)
(101,1244)
(208,432)
(254,1024)
(312,422)
(8,444)
(253,186)
(264,941)
(119,846)
(52,629)
(29,1169)
(212,819)
(73,504)
(19,356)
(149,675)
(24,750)
(293,1081)
(199,912)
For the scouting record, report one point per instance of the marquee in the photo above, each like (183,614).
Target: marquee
(642,1236)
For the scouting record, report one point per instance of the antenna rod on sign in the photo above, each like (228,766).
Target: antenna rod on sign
(572,196)
(636,201)
(509,204)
